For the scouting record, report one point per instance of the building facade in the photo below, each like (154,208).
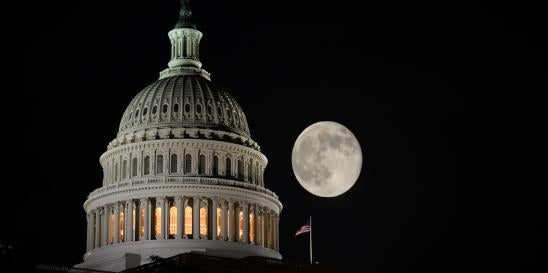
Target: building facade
(183,173)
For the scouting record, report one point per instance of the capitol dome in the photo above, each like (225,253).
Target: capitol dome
(189,101)
(182,174)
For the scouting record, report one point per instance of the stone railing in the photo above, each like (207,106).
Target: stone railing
(180,180)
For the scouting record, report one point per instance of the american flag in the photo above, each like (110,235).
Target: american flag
(303,229)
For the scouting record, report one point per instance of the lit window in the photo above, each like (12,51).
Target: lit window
(251,228)
(142,224)
(188,220)
(172,221)
(203,221)
(158,221)
(241,225)
(134,220)
(219,222)
(121,223)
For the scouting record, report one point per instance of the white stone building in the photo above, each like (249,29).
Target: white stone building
(183,173)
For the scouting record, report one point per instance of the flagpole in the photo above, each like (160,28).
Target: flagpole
(310,220)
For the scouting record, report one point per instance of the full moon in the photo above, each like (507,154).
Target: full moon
(326,159)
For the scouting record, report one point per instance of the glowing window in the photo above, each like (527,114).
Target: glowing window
(203,221)
(188,220)
(172,221)
(219,222)
(121,223)
(159,164)
(173,163)
(241,225)
(142,224)
(146,170)
(158,221)
(251,228)
(133,221)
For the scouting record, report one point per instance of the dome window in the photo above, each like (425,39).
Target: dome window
(187,107)
(145,111)
(164,109)
(154,109)
(130,113)
(136,113)
(209,109)
(198,108)
(176,108)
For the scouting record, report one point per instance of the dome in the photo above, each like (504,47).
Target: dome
(188,101)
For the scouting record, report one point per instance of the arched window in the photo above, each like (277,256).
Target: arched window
(146,166)
(124,169)
(159,164)
(202,164)
(219,222)
(133,223)
(188,220)
(241,225)
(121,223)
(116,172)
(228,167)
(134,167)
(173,163)
(240,168)
(173,220)
(157,221)
(251,227)
(111,227)
(188,163)
(203,221)
(215,165)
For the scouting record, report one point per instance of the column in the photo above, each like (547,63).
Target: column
(88,221)
(116,225)
(256,224)
(278,232)
(224,223)
(104,231)
(246,222)
(165,218)
(130,233)
(91,229)
(180,216)
(148,220)
(143,204)
(97,227)
(231,220)
(196,218)
(214,218)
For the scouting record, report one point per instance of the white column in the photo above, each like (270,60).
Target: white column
(224,222)
(116,225)
(91,229)
(196,218)
(165,219)
(230,218)
(97,227)
(214,218)
(245,211)
(104,231)
(88,231)
(180,216)
(130,233)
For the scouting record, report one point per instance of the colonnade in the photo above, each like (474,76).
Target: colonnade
(182,217)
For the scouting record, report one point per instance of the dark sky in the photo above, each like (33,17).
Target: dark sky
(429,90)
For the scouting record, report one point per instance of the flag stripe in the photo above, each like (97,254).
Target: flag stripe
(303,229)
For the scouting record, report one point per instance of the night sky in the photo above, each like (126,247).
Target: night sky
(429,90)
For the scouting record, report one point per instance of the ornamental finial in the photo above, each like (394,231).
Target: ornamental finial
(185,16)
